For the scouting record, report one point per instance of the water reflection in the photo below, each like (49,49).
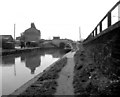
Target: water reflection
(33,59)
(32,62)
(55,53)
(22,58)
(19,68)
(8,61)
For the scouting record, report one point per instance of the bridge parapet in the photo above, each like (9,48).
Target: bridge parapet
(98,30)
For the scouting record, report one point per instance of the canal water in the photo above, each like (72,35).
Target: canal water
(20,68)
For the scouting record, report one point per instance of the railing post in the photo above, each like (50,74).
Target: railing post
(100,26)
(109,19)
(95,31)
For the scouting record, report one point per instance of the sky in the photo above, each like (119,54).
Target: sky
(53,17)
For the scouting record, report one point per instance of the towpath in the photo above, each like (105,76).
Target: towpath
(65,80)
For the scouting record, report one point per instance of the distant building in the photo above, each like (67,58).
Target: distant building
(31,34)
(6,38)
(57,41)
(18,38)
(56,37)
(7,42)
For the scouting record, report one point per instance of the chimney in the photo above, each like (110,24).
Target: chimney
(33,25)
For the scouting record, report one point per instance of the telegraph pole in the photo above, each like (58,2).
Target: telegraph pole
(14,70)
(14,31)
(14,41)
(79,33)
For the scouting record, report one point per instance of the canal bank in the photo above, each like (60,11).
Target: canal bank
(50,81)
(18,69)
(17,51)
(5,52)
(80,76)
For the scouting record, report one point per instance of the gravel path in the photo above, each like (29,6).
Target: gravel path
(65,80)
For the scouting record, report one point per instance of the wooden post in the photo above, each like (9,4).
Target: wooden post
(100,26)
(119,11)
(109,19)
(14,31)
(80,33)
(95,31)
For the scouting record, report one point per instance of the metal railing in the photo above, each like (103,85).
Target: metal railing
(108,16)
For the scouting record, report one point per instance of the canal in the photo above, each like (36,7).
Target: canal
(20,68)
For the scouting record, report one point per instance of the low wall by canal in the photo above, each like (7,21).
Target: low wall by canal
(4,52)
(17,51)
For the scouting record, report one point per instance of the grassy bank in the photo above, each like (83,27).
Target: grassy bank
(46,84)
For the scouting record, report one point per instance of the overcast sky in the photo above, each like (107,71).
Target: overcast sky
(53,17)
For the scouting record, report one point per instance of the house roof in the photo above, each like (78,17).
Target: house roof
(5,36)
(32,30)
